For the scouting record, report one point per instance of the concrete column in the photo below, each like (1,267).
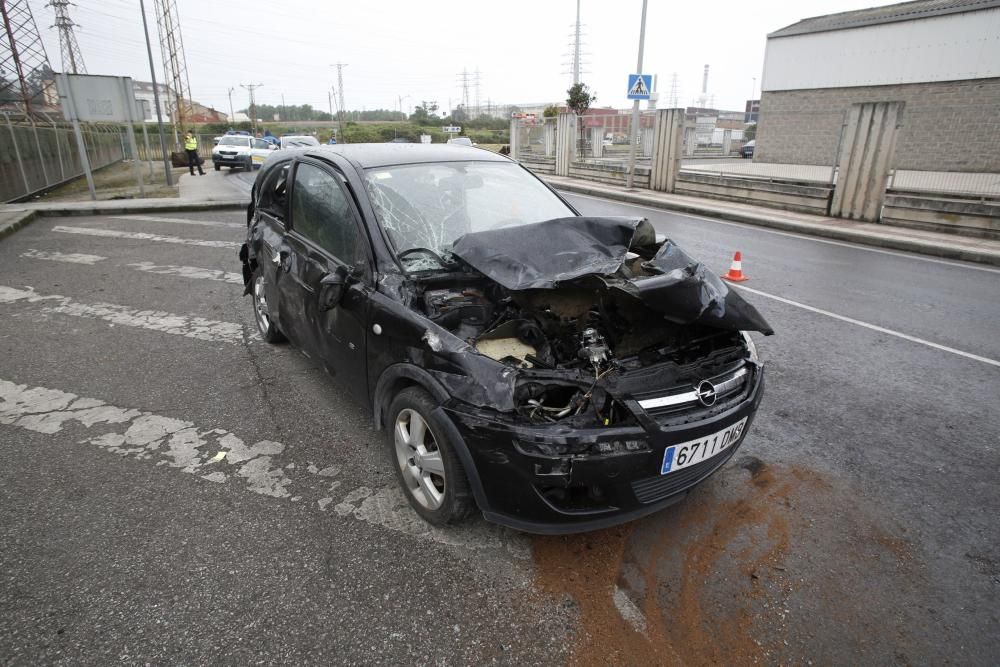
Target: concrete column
(668,145)
(514,143)
(565,142)
(867,147)
(727,141)
(597,141)
(549,138)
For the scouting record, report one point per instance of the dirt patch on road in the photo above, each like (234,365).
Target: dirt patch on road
(586,568)
(736,574)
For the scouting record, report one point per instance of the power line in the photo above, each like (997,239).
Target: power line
(576,47)
(576,52)
(23,54)
(253,104)
(342,109)
(72,59)
(168,25)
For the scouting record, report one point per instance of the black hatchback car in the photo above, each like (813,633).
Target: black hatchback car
(558,372)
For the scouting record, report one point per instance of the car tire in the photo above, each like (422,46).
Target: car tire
(261,313)
(425,460)
(218,167)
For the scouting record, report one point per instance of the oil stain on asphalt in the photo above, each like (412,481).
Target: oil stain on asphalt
(760,565)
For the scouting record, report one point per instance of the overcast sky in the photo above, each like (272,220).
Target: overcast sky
(418,49)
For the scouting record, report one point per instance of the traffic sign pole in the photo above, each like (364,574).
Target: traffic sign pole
(634,131)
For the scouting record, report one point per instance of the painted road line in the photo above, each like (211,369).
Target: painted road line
(873,327)
(141,236)
(179,221)
(71,258)
(220,456)
(188,326)
(804,237)
(189,272)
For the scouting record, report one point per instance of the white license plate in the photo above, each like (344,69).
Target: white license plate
(691,452)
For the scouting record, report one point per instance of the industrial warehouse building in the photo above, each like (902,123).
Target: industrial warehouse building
(940,58)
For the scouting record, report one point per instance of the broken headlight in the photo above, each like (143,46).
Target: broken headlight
(751,348)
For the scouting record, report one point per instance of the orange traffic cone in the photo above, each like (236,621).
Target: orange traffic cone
(736,269)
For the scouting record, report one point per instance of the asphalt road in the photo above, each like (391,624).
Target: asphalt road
(175,491)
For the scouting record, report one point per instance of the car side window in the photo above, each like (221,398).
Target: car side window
(259,143)
(273,192)
(322,213)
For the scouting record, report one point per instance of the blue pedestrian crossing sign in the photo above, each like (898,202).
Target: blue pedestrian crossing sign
(639,86)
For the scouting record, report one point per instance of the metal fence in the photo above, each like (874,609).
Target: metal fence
(537,138)
(603,137)
(37,156)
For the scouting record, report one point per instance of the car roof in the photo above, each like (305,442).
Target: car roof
(385,154)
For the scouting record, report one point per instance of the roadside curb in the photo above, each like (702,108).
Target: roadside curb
(25,218)
(808,229)
(22,217)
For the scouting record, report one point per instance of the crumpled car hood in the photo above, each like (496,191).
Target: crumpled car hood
(546,255)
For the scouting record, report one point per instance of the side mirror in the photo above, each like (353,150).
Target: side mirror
(332,287)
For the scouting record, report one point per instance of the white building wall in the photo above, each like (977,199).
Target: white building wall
(942,48)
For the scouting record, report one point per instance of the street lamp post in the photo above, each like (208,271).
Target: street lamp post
(634,132)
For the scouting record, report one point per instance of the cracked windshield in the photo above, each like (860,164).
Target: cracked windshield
(429,206)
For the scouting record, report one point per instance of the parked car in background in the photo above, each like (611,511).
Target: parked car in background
(231,133)
(240,151)
(298,141)
(555,392)
(461,141)
(747,149)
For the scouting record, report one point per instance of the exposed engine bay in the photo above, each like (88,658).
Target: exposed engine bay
(573,322)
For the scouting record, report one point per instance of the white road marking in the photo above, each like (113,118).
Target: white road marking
(71,258)
(142,236)
(190,272)
(804,237)
(187,447)
(188,326)
(629,611)
(867,325)
(194,272)
(179,221)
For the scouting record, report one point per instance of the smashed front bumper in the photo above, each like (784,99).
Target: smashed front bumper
(552,479)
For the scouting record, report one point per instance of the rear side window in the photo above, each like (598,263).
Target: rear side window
(273,192)
(321,213)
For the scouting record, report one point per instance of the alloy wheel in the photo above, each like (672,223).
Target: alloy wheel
(419,459)
(260,305)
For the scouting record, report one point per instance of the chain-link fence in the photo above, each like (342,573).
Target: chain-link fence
(37,156)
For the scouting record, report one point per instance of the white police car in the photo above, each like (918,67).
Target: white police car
(240,151)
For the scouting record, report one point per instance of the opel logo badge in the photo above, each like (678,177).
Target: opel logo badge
(706,393)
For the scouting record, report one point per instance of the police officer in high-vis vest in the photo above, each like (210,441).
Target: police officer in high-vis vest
(191,148)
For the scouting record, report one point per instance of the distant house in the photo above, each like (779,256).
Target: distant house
(941,58)
(144,95)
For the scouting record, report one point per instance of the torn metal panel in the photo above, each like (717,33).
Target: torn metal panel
(542,255)
(548,255)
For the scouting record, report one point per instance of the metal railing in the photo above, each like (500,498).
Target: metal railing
(37,155)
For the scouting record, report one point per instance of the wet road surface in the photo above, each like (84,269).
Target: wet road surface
(175,491)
